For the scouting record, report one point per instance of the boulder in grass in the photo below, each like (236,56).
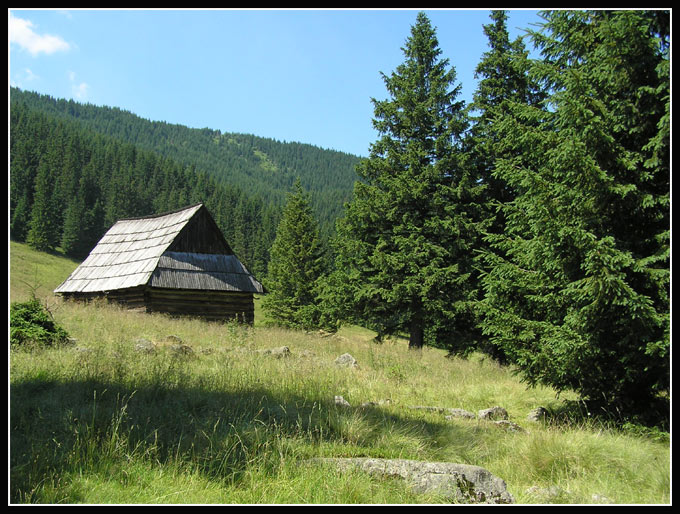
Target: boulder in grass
(458,413)
(143,345)
(493,413)
(277,353)
(459,483)
(346,360)
(341,402)
(182,350)
(509,426)
(538,414)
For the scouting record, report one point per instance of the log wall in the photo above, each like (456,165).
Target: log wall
(216,305)
(210,305)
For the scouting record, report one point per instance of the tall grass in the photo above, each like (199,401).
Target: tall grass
(98,421)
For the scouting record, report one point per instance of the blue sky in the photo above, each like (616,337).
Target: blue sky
(291,75)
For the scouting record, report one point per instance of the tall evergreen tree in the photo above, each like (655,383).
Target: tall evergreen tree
(22,173)
(503,74)
(43,233)
(73,224)
(295,266)
(503,78)
(84,217)
(577,291)
(405,244)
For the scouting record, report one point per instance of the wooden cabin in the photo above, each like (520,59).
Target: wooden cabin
(177,263)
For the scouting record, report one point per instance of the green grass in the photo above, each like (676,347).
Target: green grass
(36,272)
(99,422)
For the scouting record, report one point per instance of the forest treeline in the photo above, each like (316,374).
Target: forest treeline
(263,167)
(77,168)
(68,185)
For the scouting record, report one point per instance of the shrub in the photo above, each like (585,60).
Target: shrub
(30,322)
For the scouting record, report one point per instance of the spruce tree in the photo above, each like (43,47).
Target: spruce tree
(22,174)
(295,266)
(84,217)
(43,233)
(19,219)
(503,80)
(73,226)
(577,287)
(406,242)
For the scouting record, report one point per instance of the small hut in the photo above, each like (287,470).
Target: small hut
(177,262)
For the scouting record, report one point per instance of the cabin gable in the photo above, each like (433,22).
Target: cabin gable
(201,235)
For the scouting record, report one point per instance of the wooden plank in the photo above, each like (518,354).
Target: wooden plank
(179,293)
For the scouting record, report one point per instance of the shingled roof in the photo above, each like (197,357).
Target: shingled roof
(183,249)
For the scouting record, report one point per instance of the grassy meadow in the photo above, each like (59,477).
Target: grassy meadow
(97,421)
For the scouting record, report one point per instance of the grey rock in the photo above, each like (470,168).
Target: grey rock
(347,360)
(538,414)
(182,349)
(459,413)
(509,426)
(174,339)
(277,353)
(340,401)
(145,346)
(458,483)
(493,413)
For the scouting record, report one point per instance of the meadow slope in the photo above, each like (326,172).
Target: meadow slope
(99,421)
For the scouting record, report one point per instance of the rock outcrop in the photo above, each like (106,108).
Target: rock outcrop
(459,483)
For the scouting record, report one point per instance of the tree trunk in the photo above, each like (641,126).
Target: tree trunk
(416,337)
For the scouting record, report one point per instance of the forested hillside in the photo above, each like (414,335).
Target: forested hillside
(75,169)
(262,167)
(68,185)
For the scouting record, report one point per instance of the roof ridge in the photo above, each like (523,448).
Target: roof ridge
(152,216)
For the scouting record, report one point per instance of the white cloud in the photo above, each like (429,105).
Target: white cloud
(79,91)
(23,76)
(29,75)
(21,33)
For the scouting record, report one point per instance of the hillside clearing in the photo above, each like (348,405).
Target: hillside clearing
(100,421)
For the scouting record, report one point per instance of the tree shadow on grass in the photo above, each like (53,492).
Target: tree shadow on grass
(655,422)
(60,428)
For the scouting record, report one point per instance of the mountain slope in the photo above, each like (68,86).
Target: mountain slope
(260,166)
